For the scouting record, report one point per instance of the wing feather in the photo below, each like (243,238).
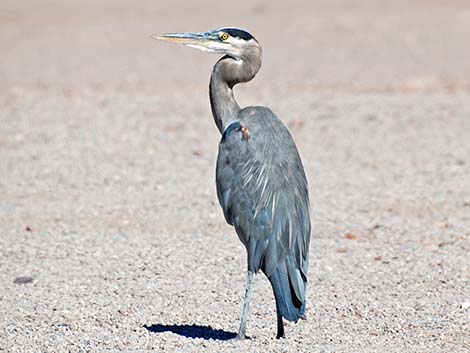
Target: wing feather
(263,192)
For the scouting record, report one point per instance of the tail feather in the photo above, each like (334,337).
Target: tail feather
(289,291)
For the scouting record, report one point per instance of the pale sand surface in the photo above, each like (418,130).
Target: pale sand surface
(107,195)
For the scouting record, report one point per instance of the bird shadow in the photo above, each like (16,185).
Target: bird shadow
(193,331)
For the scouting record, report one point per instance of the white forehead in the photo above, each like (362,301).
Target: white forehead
(235,41)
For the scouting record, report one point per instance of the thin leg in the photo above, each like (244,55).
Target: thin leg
(280,324)
(246,305)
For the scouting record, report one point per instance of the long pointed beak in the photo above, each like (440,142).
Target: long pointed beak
(196,38)
(205,41)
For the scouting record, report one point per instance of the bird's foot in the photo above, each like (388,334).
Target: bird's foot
(241,337)
(278,336)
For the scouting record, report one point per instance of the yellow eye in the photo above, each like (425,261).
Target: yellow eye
(224,36)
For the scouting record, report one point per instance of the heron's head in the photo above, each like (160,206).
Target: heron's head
(233,42)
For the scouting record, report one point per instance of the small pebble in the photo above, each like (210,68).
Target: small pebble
(350,236)
(23,280)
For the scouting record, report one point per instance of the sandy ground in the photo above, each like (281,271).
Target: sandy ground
(107,198)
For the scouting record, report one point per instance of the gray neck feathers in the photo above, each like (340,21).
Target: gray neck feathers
(226,74)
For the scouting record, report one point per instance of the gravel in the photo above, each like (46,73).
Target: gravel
(111,236)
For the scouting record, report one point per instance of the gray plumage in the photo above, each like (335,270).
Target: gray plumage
(261,183)
(262,189)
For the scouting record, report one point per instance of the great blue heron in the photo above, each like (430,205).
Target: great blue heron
(261,183)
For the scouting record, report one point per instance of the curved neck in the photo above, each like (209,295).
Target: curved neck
(223,104)
(226,74)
